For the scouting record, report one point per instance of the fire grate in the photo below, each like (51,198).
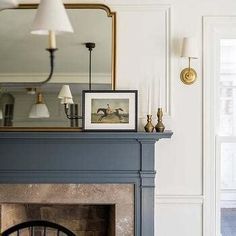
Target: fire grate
(33,226)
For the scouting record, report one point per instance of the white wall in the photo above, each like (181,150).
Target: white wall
(179,195)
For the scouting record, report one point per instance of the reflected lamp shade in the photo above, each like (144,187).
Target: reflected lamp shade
(1,114)
(4,4)
(65,93)
(67,101)
(39,110)
(51,16)
(190,48)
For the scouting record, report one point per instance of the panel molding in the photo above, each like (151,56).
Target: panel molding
(180,199)
(166,9)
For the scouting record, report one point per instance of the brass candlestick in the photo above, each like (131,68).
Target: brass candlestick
(149,126)
(159,126)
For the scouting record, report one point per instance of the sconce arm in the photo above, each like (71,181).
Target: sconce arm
(76,117)
(35,84)
(52,56)
(189,63)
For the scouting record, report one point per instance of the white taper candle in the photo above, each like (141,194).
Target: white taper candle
(52,39)
(149,100)
(159,93)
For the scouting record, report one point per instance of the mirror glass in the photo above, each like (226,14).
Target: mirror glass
(24,59)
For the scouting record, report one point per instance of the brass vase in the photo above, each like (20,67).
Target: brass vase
(159,126)
(149,127)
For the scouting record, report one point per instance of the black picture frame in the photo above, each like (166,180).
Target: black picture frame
(122,119)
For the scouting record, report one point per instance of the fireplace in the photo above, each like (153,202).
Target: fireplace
(80,219)
(98,209)
(110,173)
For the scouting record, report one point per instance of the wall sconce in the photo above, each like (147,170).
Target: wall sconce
(39,109)
(65,94)
(66,98)
(190,49)
(51,19)
(5,4)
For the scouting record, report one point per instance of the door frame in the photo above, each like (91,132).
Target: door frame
(214,28)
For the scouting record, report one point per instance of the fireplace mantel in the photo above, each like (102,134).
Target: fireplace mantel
(88,158)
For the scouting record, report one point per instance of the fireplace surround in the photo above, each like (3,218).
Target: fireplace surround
(78,207)
(88,160)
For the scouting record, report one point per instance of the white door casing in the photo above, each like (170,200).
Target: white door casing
(214,29)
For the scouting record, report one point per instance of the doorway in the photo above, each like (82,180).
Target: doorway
(219,143)
(226,135)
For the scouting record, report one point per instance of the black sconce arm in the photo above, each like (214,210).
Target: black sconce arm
(35,84)
(70,117)
(52,56)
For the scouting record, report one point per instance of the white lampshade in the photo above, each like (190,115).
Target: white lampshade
(67,101)
(65,92)
(190,48)
(4,4)
(51,16)
(39,110)
(1,114)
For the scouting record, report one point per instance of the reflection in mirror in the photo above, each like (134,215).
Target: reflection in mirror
(24,59)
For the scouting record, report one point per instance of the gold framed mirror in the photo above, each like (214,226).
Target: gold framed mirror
(25,61)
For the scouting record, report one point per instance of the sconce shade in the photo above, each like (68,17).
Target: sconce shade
(67,101)
(1,114)
(39,110)
(4,4)
(190,48)
(65,93)
(51,16)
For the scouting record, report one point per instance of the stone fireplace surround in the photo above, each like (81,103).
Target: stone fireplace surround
(13,196)
(97,162)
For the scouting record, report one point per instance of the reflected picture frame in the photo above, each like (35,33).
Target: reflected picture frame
(110,110)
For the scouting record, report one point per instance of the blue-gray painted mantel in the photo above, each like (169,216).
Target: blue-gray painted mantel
(86,157)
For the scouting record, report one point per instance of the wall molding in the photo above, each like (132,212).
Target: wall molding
(179,199)
(166,9)
(140,7)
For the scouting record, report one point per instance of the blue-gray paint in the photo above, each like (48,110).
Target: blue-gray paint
(85,157)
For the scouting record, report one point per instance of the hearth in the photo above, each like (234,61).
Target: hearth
(109,169)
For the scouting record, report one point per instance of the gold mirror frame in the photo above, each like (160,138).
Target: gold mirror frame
(113,63)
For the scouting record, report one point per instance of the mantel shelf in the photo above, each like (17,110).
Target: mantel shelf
(86,135)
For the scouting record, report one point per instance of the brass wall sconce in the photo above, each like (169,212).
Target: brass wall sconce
(190,50)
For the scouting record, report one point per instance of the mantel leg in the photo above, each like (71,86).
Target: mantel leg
(147,177)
